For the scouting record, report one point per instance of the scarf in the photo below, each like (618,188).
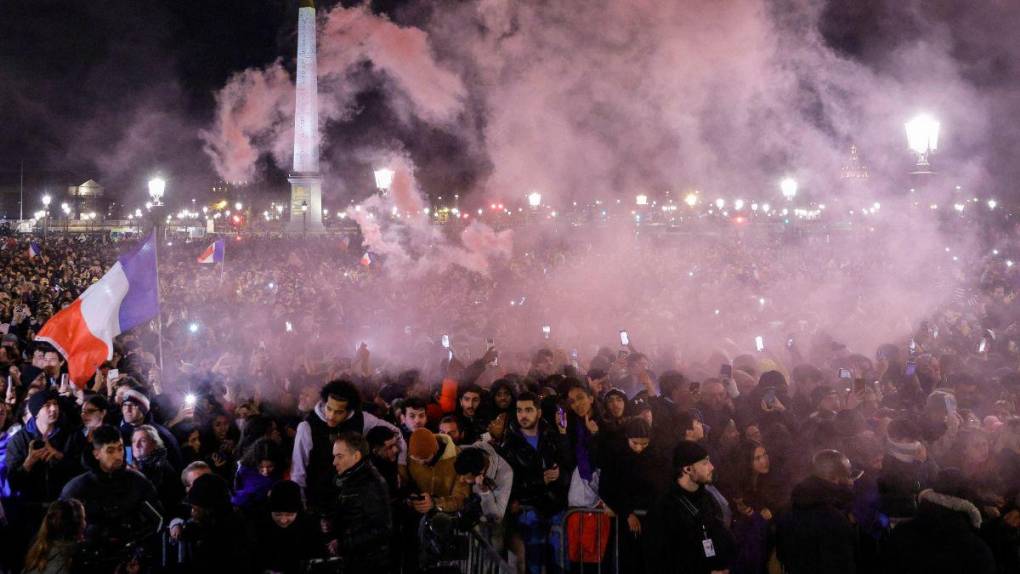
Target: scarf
(905,451)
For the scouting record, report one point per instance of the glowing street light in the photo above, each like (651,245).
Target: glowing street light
(992,204)
(534,199)
(720,203)
(641,199)
(923,137)
(383,179)
(738,204)
(788,186)
(65,208)
(691,199)
(238,206)
(157,186)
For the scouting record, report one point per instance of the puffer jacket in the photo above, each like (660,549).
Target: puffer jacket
(943,537)
(362,523)
(114,503)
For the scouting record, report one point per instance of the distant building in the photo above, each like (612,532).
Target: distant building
(89,197)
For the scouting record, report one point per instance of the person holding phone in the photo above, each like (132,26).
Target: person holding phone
(538,453)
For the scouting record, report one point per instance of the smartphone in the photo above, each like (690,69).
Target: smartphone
(546,331)
(759,343)
(288,327)
(983,345)
(859,385)
(913,346)
(770,397)
(911,369)
(113,374)
(844,374)
(573,355)
(624,338)
(561,417)
(128,459)
(190,400)
(726,371)
(446,341)
(789,343)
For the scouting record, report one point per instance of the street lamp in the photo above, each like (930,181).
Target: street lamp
(384,179)
(157,186)
(534,199)
(641,199)
(788,186)
(691,199)
(923,137)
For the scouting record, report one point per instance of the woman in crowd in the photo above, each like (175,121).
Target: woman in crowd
(55,545)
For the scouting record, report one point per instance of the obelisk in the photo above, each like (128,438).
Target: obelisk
(305,181)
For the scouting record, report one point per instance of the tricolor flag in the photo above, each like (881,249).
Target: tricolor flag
(34,250)
(213,253)
(366,259)
(128,295)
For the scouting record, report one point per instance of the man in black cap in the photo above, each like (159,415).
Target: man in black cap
(287,535)
(686,530)
(816,536)
(217,538)
(41,458)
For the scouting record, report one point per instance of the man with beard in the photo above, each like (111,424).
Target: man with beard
(686,531)
(817,536)
(538,456)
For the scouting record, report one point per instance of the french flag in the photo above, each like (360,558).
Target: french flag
(34,250)
(213,253)
(127,296)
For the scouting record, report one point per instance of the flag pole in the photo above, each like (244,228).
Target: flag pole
(223,264)
(159,315)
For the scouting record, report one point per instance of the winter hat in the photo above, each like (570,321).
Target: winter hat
(209,491)
(38,400)
(637,427)
(285,496)
(616,391)
(687,453)
(138,398)
(423,444)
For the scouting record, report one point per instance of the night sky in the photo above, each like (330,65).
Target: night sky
(113,90)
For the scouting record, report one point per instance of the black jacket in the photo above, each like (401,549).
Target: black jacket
(44,482)
(529,464)
(283,549)
(632,481)
(677,526)
(942,538)
(115,503)
(362,522)
(816,536)
(164,479)
(900,482)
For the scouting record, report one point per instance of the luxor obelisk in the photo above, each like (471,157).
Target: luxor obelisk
(305,181)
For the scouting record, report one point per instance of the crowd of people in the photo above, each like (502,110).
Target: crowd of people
(297,409)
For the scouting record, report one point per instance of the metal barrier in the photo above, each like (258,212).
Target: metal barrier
(481,557)
(612,553)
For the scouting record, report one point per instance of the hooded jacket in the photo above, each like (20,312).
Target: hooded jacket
(942,538)
(816,536)
(439,478)
(312,459)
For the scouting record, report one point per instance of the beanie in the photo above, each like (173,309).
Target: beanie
(138,398)
(686,454)
(285,496)
(423,444)
(37,401)
(209,491)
